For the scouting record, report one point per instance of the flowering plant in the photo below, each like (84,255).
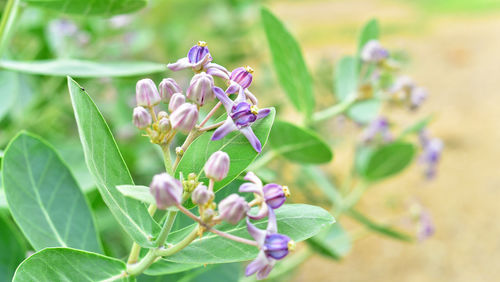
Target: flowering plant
(216,203)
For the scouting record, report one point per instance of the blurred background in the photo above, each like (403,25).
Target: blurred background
(451,48)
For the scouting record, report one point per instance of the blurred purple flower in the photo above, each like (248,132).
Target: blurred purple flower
(376,130)
(374,52)
(425,227)
(432,149)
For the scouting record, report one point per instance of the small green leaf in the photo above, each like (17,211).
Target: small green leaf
(13,249)
(333,242)
(386,161)
(379,228)
(346,78)
(104,8)
(298,221)
(365,111)
(81,68)
(64,264)
(289,64)
(106,164)
(299,144)
(235,144)
(164,267)
(416,127)
(44,198)
(138,192)
(371,31)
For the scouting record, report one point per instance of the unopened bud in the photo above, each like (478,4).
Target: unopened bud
(175,102)
(166,190)
(200,89)
(141,118)
(233,208)
(146,93)
(168,87)
(217,166)
(201,195)
(184,118)
(275,195)
(164,125)
(162,114)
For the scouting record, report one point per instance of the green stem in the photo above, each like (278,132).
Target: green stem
(167,159)
(8,17)
(181,245)
(162,237)
(352,199)
(334,110)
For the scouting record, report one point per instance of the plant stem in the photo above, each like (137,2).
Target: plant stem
(189,139)
(136,249)
(162,237)
(181,245)
(211,184)
(353,197)
(234,238)
(213,126)
(188,213)
(8,17)
(210,114)
(167,160)
(334,110)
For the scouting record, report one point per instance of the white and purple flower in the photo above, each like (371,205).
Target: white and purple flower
(241,115)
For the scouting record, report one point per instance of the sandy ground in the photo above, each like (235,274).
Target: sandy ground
(457,58)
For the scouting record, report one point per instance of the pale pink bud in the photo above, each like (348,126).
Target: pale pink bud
(184,118)
(146,93)
(200,89)
(141,118)
(201,195)
(166,190)
(168,87)
(164,125)
(217,166)
(176,100)
(233,208)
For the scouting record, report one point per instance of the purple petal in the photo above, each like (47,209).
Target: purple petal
(217,70)
(199,65)
(264,272)
(182,63)
(253,178)
(260,262)
(254,141)
(224,129)
(241,96)
(272,225)
(250,188)
(226,102)
(258,234)
(263,212)
(263,113)
(233,88)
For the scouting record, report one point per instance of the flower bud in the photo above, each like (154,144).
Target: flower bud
(201,195)
(242,76)
(200,88)
(176,100)
(277,246)
(373,52)
(162,114)
(233,208)
(184,118)
(168,87)
(146,93)
(275,195)
(217,166)
(166,190)
(141,117)
(164,125)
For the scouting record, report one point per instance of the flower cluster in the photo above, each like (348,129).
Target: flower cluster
(183,109)
(273,246)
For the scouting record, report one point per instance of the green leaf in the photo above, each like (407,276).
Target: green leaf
(106,164)
(82,68)
(298,221)
(333,242)
(63,264)
(138,192)
(9,87)
(163,267)
(3,201)
(387,160)
(299,144)
(371,31)
(227,272)
(416,127)
(44,198)
(104,8)
(365,111)
(378,228)
(289,64)
(346,78)
(234,144)
(13,249)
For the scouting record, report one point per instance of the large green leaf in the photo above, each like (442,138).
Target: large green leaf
(298,221)
(163,267)
(379,228)
(234,144)
(81,68)
(346,78)
(289,64)
(333,242)
(106,164)
(105,8)
(385,161)
(227,272)
(299,144)
(3,201)
(365,111)
(13,249)
(9,88)
(44,198)
(63,264)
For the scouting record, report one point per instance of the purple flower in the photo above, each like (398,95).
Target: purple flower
(146,93)
(417,97)
(176,101)
(184,118)
(425,228)
(141,118)
(201,195)
(166,190)
(233,208)
(241,115)
(377,129)
(168,87)
(240,78)
(217,166)
(197,57)
(270,196)
(200,88)
(273,246)
(432,149)
(374,52)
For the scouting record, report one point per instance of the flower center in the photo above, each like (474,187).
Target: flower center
(202,43)
(243,115)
